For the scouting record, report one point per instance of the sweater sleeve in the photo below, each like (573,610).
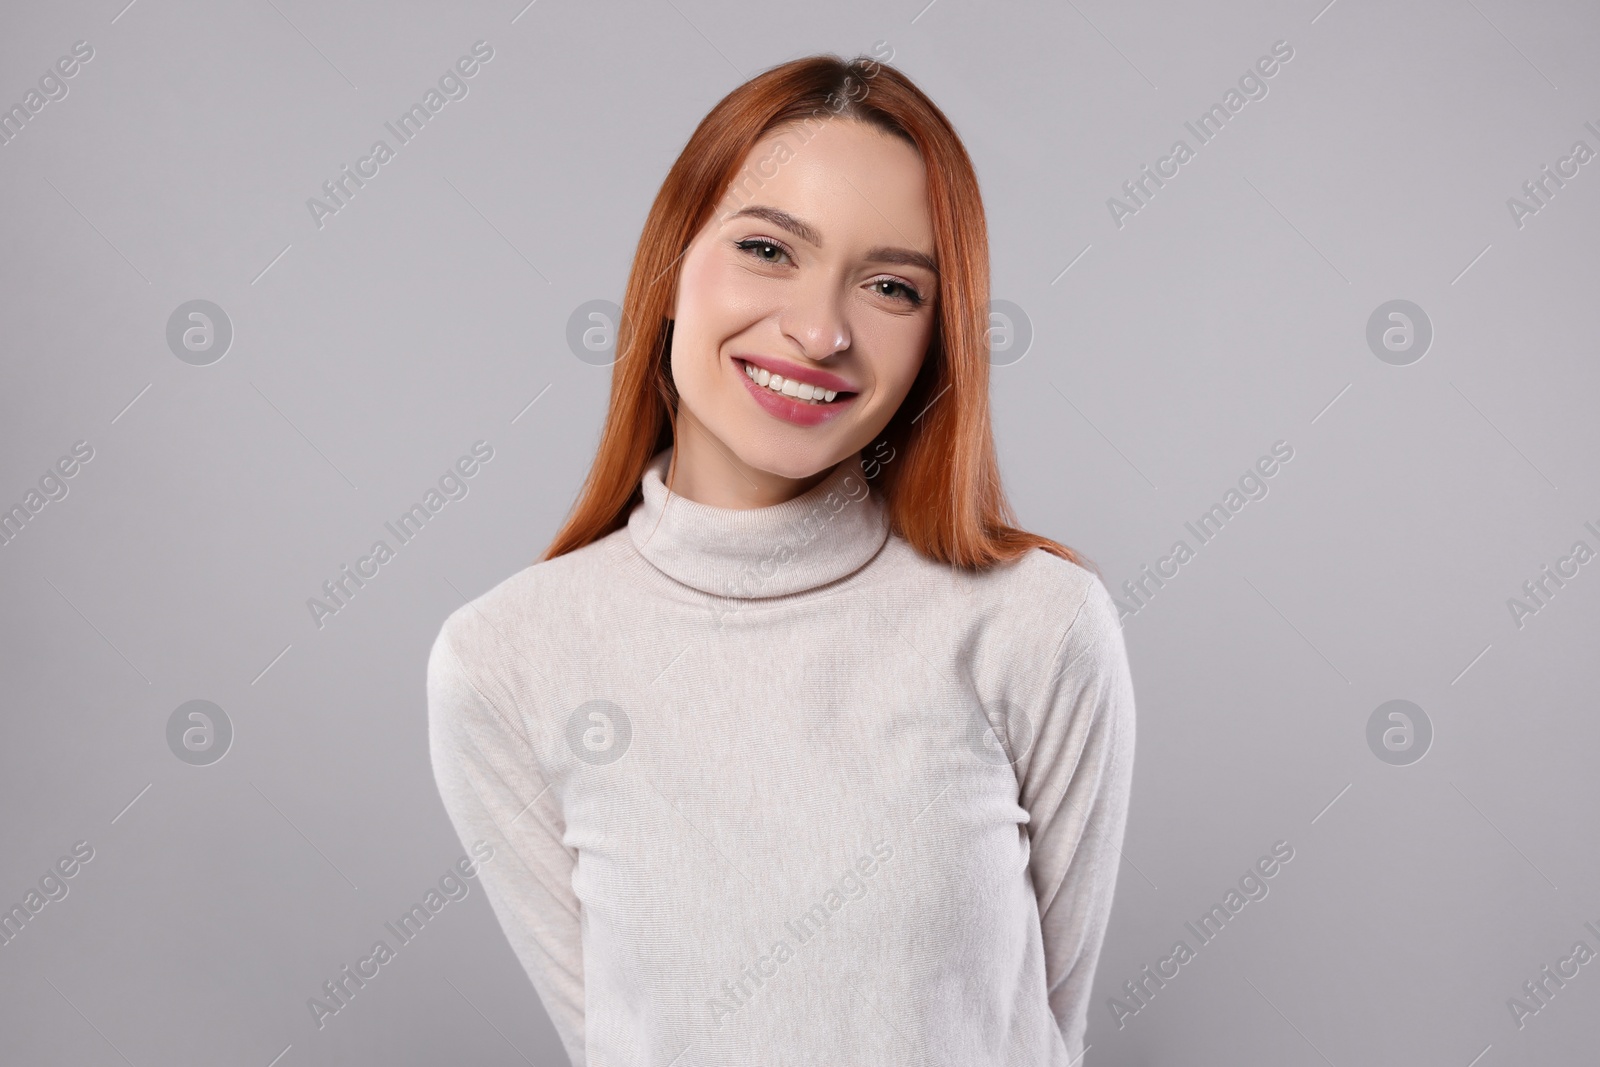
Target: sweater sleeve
(1074,782)
(492,789)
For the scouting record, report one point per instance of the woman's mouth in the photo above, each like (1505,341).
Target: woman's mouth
(808,394)
(793,401)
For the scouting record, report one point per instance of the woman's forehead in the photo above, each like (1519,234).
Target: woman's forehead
(844,179)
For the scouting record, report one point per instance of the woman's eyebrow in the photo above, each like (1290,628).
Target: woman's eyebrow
(808,233)
(905,257)
(779,217)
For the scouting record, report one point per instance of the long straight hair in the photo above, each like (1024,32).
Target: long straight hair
(941,483)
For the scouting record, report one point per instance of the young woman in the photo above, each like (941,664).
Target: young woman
(793,750)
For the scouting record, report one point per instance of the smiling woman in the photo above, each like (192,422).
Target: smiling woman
(790,629)
(812,290)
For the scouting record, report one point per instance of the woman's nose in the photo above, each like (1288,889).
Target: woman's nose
(815,319)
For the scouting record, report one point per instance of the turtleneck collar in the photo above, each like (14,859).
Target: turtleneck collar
(826,533)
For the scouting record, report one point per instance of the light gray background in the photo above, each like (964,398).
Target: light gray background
(369,354)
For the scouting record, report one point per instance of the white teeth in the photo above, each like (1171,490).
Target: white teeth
(803,391)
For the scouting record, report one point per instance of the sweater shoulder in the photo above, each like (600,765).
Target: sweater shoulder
(1067,604)
(521,610)
(1029,609)
(1082,669)
(1055,576)
(1080,600)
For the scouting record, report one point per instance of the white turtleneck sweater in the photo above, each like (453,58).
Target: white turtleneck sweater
(766,787)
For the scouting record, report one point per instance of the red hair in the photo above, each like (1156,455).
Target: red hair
(942,486)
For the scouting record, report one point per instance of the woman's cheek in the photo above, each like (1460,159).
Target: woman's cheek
(699,284)
(743,294)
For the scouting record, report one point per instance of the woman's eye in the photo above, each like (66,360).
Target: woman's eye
(759,248)
(768,251)
(902,291)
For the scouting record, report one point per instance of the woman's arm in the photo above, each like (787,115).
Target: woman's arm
(492,789)
(1074,781)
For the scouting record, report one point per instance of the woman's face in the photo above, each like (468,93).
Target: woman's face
(818,268)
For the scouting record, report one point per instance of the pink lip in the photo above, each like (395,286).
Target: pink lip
(789,409)
(809,375)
